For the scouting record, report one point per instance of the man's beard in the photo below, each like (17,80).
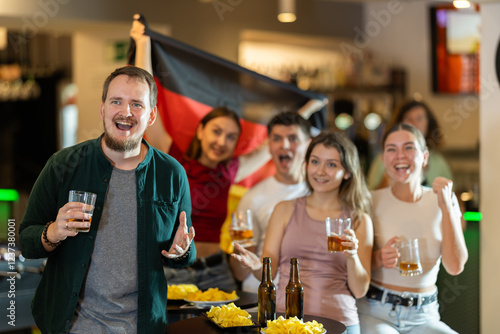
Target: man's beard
(127,145)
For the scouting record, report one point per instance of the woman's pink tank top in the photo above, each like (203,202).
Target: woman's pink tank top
(323,274)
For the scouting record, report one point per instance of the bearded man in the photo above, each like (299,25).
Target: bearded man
(110,280)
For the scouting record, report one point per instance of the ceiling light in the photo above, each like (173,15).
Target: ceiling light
(286,11)
(372,121)
(344,121)
(461,4)
(3,38)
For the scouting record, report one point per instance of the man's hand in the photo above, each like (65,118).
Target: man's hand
(63,227)
(182,239)
(70,216)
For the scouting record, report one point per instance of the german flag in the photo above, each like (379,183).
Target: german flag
(191,82)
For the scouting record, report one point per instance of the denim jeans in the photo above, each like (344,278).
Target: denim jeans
(354,329)
(377,317)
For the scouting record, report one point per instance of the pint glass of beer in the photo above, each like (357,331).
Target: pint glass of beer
(89,200)
(242,227)
(334,229)
(409,260)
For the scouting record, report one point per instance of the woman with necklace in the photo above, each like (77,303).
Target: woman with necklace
(408,210)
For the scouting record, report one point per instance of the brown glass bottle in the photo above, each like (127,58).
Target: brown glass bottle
(294,293)
(267,295)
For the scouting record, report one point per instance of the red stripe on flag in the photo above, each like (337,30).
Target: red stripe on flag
(180,116)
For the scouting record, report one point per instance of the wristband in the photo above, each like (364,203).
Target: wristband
(47,241)
(183,256)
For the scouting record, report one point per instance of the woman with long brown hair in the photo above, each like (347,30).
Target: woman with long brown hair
(211,168)
(297,229)
(418,114)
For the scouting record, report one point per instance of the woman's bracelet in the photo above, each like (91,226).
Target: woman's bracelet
(47,241)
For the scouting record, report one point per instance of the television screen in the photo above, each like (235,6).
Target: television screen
(462,32)
(455,49)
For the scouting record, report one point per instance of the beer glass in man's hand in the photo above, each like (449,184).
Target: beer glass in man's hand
(88,199)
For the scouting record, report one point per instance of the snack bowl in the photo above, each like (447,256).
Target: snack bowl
(238,329)
(282,326)
(177,292)
(263,331)
(208,304)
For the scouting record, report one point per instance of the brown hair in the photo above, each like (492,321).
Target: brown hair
(289,118)
(137,74)
(406,127)
(353,191)
(194,150)
(434,135)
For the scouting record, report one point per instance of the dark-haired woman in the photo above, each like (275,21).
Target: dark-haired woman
(418,114)
(211,169)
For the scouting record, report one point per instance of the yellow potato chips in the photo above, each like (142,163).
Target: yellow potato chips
(180,291)
(229,316)
(211,295)
(293,326)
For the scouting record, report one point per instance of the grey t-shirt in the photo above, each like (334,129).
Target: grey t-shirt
(108,301)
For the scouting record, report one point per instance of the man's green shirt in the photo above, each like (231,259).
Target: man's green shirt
(162,194)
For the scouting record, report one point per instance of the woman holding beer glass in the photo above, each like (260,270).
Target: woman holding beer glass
(331,281)
(407,210)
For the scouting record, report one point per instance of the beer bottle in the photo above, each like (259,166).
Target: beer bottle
(294,293)
(267,295)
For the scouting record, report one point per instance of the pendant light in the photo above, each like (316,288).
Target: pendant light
(461,3)
(286,11)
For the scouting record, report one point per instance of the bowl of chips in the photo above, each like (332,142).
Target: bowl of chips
(211,297)
(230,316)
(180,291)
(292,326)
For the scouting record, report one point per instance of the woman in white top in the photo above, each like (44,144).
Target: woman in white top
(406,209)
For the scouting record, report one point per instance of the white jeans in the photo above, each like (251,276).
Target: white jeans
(376,317)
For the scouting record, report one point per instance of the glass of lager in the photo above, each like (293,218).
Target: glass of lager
(242,228)
(334,229)
(84,197)
(409,260)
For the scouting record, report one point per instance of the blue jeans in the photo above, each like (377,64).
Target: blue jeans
(377,317)
(218,276)
(354,329)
